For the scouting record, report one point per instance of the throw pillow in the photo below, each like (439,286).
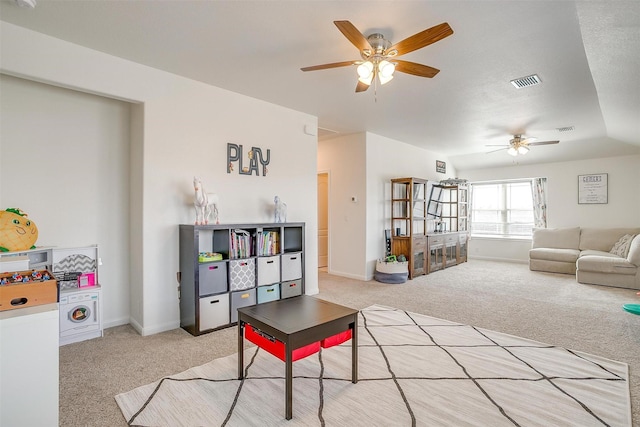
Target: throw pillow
(621,247)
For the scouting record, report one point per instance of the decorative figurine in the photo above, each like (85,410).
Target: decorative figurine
(280,210)
(203,202)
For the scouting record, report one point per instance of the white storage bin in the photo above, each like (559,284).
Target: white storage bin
(292,266)
(268,270)
(214,311)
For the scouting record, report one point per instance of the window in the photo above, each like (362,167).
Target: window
(502,209)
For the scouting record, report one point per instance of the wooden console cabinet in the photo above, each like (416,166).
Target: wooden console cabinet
(259,263)
(446,250)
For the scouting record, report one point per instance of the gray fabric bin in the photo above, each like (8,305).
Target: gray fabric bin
(212,278)
(241,299)
(291,288)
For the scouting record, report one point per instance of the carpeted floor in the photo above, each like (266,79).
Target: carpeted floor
(414,370)
(504,297)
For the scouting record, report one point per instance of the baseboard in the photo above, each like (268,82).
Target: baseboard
(347,275)
(515,261)
(117,322)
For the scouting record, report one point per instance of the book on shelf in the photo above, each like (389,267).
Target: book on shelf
(268,243)
(240,243)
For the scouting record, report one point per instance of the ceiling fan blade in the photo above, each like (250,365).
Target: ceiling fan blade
(415,69)
(422,39)
(354,35)
(497,145)
(542,143)
(332,65)
(499,149)
(361,87)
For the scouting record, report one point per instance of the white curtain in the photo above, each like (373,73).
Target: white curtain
(539,195)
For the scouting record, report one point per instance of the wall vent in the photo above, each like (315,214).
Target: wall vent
(566,129)
(527,81)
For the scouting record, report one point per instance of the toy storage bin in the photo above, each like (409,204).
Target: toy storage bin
(292,288)
(214,311)
(212,278)
(292,266)
(275,347)
(336,339)
(17,294)
(268,293)
(268,270)
(242,274)
(241,299)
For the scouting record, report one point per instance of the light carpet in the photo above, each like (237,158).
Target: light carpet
(413,370)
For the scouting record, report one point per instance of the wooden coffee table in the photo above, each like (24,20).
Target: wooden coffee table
(297,322)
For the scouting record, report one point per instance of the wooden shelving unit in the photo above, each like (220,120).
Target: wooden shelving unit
(409,222)
(449,206)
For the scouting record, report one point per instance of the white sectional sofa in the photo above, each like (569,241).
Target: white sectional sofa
(586,252)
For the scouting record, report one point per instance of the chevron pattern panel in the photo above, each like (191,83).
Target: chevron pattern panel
(73,263)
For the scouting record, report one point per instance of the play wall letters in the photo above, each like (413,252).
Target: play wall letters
(255,157)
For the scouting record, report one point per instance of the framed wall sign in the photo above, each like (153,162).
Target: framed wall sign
(593,189)
(441,166)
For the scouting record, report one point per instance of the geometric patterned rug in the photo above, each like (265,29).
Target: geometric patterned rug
(413,370)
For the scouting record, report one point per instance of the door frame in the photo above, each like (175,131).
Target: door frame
(328,174)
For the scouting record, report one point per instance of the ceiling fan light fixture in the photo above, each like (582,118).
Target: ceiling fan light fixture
(365,71)
(386,68)
(512,151)
(523,149)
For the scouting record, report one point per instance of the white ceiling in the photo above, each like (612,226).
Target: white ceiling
(587,54)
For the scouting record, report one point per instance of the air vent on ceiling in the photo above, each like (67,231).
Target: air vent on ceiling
(527,81)
(566,129)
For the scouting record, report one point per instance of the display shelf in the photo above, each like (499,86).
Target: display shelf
(260,262)
(409,222)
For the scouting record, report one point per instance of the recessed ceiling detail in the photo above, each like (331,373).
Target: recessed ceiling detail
(566,129)
(527,81)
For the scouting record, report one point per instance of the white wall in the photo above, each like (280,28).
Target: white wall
(362,165)
(65,162)
(185,127)
(343,158)
(622,209)
(386,159)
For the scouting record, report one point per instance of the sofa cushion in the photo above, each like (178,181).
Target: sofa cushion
(589,252)
(634,251)
(621,247)
(606,264)
(550,254)
(558,238)
(602,239)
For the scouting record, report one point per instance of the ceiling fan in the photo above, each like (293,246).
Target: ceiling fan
(379,56)
(520,144)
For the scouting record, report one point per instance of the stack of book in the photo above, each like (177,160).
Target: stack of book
(240,244)
(268,243)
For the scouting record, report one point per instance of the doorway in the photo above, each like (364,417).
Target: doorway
(323,220)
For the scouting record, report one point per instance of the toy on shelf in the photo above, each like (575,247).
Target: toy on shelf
(209,257)
(280,214)
(17,232)
(203,203)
